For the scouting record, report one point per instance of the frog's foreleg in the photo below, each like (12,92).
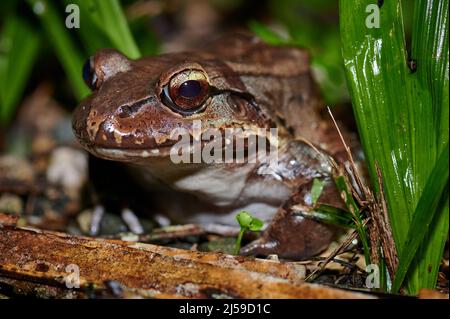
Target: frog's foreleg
(291,234)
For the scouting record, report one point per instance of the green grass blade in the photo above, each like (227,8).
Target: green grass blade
(316,189)
(109,17)
(66,51)
(266,34)
(375,61)
(331,215)
(430,51)
(90,32)
(19,45)
(435,193)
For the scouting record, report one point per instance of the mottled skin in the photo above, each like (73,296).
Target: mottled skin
(251,85)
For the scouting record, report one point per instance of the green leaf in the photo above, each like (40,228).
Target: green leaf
(401,114)
(316,189)
(435,193)
(68,54)
(331,215)
(266,34)
(109,17)
(256,224)
(90,32)
(244,219)
(19,45)
(246,222)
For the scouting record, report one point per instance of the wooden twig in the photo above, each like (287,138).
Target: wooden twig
(355,174)
(158,234)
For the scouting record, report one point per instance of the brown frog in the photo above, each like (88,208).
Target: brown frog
(235,82)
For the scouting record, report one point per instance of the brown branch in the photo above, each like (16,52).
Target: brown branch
(379,228)
(381,218)
(41,257)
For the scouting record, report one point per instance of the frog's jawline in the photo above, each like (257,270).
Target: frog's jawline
(126,155)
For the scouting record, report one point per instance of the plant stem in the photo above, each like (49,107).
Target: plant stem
(237,248)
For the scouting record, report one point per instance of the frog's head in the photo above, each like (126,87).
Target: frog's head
(136,105)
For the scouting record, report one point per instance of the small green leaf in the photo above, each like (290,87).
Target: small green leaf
(246,222)
(331,215)
(256,224)
(316,189)
(244,219)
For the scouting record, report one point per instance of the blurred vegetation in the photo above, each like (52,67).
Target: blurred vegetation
(34,31)
(312,24)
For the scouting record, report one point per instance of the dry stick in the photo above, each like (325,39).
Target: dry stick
(335,252)
(381,218)
(378,211)
(355,174)
(357,188)
(374,241)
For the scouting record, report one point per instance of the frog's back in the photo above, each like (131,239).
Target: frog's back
(280,80)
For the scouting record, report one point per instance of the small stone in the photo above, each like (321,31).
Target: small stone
(42,144)
(84,220)
(15,168)
(11,204)
(112,224)
(131,237)
(69,168)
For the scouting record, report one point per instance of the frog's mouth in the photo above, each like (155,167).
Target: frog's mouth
(177,153)
(130,155)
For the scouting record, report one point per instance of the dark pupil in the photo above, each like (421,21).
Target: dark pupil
(189,89)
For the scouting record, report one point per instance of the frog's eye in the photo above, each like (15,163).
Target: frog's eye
(187,92)
(89,76)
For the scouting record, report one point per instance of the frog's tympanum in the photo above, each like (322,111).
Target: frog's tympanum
(236,82)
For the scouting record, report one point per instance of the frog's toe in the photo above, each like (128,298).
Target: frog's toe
(260,247)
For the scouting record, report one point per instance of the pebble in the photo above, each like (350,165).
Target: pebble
(11,204)
(69,168)
(15,168)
